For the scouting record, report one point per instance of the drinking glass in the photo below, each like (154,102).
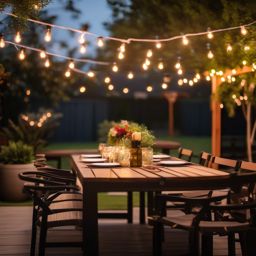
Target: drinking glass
(124,156)
(147,156)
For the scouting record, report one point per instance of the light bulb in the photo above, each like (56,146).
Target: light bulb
(42,54)
(185,80)
(115,68)
(158,45)
(223,79)
(100,41)
(82,89)
(71,64)
(185,41)
(244,31)
(81,39)
(209,34)
(244,62)
(122,48)
(130,75)
(111,87)
(67,73)
(91,74)
(120,55)
(145,66)
(149,53)
(82,48)
(210,54)
(246,48)
(125,90)
(221,106)
(149,88)
(147,62)
(48,35)
(22,55)
(208,78)
(198,76)
(47,63)
(2,42)
(191,83)
(107,80)
(160,65)
(17,38)
(180,72)
(177,65)
(164,86)
(229,48)
(180,82)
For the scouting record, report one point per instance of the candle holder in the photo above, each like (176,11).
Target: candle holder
(136,154)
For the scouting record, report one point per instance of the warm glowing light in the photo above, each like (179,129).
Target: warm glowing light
(47,63)
(233,96)
(147,62)
(120,55)
(221,105)
(195,80)
(213,71)
(42,54)
(82,48)
(125,90)
(158,45)
(149,88)
(241,98)
(244,31)
(2,42)
(254,65)
(210,54)
(233,71)
(82,89)
(22,55)
(48,114)
(244,62)
(209,34)
(115,68)
(28,92)
(185,80)
(107,80)
(233,79)
(71,64)
(191,83)
(81,39)
(122,48)
(31,123)
(177,65)
(185,40)
(100,41)
(245,97)
(39,125)
(48,35)
(111,87)
(246,48)
(229,48)
(164,86)
(180,72)
(223,79)
(198,76)
(91,74)
(36,7)
(180,82)
(208,78)
(67,73)
(17,38)
(130,75)
(149,53)
(145,66)
(160,65)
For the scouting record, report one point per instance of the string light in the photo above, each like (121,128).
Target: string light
(191,83)
(149,88)
(107,80)
(145,66)
(122,48)
(223,79)
(48,35)
(115,68)
(221,106)
(185,40)
(158,45)
(198,76)
(180,82)
(149,53)
(120,55)
(83,48)
(130,75)
(67,73)
(147,62)
(229,48)
(178,65)
(82,89)
(100,41)
(209,34)
(160,65)
(185,80)
(164,86)
(208,78)
(47,63)
(2,42)
(180,72)
(28,92)
(17,38)
(125,90)
(246,48)
(91,74)
(243,30)
(244,62)
(22,55)
(42,54)
(111,87)
(210,55)
(81,39)
(71,64)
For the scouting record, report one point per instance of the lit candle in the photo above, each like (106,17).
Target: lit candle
(136,136)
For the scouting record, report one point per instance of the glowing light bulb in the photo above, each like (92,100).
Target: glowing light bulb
(2,42)
(254,65)
(28,92)
(48,35)
(233,96)
(115,68)
(130,75)
(195,80)
(221,106)
(229,48)
(82,48)
(164,86)
(111,87)
(107,80)
(17,38)
(223,79)
(185,41)
(246,48)
(149,88)
(22,55)
(177,65)
(208,78)
(67,73)
(180,82)
(145,66)
(158,45)
(180,72)
(82,89)
(243,30)
(209,34)
(233,71)
(91,74)
(47,63)
(210,55)
(120,55)
(191,83)
(244,62)
(31,123)
(149,53)
(71,64)
(42,54)
(126,90)
(198,76)
(122,48)
(147,62)
(160,65)
(100,41)
(185,80)
(48,114)
(81,39)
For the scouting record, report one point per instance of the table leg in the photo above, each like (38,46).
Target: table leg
(129,206)
(142,207)
(90,221)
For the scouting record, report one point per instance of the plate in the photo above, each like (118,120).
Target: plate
(93,160)
(90,156)
(160,156)
(173,162)
(105,164)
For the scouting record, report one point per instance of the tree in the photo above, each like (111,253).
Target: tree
(167,18)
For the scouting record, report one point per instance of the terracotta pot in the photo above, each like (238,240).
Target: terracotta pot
(11,187)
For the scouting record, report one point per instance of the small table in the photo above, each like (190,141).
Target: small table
(166,145)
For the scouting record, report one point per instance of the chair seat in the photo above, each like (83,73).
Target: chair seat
(69,204)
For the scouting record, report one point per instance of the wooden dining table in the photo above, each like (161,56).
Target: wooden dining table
(144,179)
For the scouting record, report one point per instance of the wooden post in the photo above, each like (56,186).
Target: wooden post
(172,98)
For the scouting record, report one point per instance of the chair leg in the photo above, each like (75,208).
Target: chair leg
(142,208)
(242,239)
(231,245)
(33,233)
(129,207)
(194,249)
(42,239)
(207,245)
(157,238)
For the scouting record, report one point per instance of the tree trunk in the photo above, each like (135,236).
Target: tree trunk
(248,132)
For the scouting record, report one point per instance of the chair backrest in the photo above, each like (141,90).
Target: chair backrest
(204,158)
(221,163)
(185,154)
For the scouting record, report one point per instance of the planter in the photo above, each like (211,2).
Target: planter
(11,187)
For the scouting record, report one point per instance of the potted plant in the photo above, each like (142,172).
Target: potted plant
(16,157)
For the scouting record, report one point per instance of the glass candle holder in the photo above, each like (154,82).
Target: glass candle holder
(147,156)
(124,156)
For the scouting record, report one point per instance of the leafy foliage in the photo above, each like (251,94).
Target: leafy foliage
(16,153)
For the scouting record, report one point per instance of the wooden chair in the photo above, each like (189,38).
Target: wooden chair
(202,223)
(224,164)
(184,153)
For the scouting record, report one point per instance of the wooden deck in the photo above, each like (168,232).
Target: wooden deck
(116,237)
